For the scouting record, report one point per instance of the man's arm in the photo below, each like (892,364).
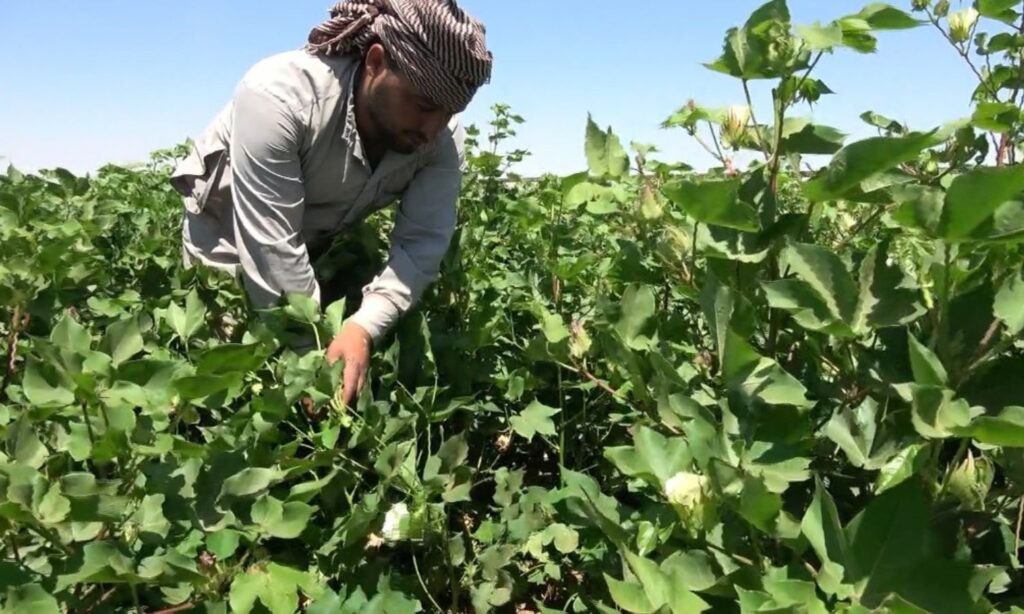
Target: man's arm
(424,225)
(269,197)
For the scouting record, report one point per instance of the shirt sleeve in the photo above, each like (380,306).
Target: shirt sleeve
(269,197)
(424,225)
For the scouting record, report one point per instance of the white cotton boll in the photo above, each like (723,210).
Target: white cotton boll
(394,521)
(685,489)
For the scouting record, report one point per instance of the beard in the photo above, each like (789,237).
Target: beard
(391,137)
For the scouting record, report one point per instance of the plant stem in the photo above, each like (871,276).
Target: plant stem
(177,608)
(757,127)
(423,585)
(17,324)
(963,53)
(12,541)
(1020,517)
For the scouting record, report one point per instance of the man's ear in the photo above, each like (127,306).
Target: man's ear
(376,60)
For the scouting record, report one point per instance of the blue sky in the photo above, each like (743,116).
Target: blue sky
(84,83)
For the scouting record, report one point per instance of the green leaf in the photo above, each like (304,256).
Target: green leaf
(187,322)
(714,202)
(854,431)
(122,340)
(652,457)
(862,160)
(927,369)
(756,376)
(935,414)
(800,136)
(638,310)
(230,358)
(1009,303)
(821,38)
(997,117)
(759,505)
(223,543)
(887,541)
(826,274)
(1001,10)
(629,596)
(249,481)
(334,317)
(43,387)
(24,445)
(285,521)
(881,16)
(888,297)
(659,587)
(823,530)
(150,516)
(245,589)
(53,507)
(30,599)
(604,151)
(536,418)
(68,334)
(974,197)
(1006,429)
(691,569)
(551,324)
(302,307)
(508,485)
(907,462)
(566,539)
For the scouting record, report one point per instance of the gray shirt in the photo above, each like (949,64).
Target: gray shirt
(282,167)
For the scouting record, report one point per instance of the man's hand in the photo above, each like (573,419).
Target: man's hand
(353,345)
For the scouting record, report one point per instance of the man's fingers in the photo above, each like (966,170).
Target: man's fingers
(350,383)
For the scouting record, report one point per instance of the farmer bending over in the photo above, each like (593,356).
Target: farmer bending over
(316,139)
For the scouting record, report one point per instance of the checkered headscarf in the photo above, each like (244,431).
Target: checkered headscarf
(438,46)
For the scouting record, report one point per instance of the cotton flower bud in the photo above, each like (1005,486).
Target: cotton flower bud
(920,5)
(736,120)
(961,23)
(580,342)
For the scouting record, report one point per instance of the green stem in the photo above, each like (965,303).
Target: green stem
(423,584)
(757,127)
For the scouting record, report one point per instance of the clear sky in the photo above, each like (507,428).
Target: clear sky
(85,83)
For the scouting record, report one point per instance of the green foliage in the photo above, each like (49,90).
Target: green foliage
(639,387)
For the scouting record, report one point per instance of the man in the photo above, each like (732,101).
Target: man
(314,140)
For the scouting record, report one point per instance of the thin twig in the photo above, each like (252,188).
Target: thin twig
(103,597)
(590,376)
(860,226)
(714,137)
(757,127)
(177,608)
(1020,517)
(18,323)
(963,54)
(707,147)
(423,585)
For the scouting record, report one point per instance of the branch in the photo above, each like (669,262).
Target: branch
(18,323)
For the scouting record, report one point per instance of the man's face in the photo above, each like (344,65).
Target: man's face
(405,119)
